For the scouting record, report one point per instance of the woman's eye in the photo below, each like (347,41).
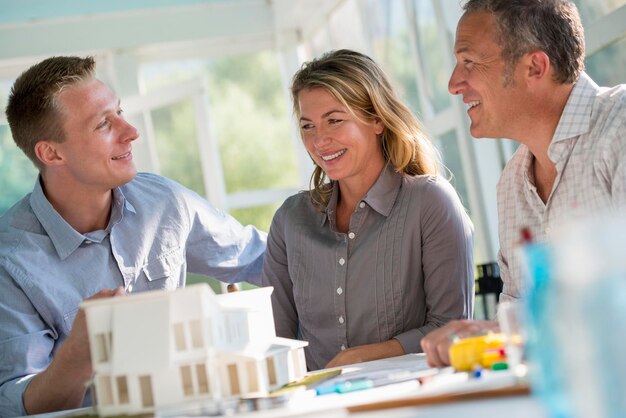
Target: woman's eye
(306,126)
(334,121)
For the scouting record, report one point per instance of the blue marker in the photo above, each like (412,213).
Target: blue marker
(354,385)
(345,386)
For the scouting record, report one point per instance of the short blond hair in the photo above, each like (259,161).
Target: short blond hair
(32,110)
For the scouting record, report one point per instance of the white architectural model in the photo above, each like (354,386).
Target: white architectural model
(168,348)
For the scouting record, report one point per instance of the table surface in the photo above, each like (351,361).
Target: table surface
(331,406)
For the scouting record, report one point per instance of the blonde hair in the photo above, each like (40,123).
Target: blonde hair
(357,82)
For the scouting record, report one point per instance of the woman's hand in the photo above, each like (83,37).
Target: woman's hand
(367,352)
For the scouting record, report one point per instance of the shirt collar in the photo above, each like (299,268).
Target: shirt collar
(383,193)
(576,116)
(380,197)
(65,238)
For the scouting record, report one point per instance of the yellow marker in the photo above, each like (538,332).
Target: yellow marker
(306,382)
(482,351)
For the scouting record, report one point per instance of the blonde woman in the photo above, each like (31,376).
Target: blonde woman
(379,251)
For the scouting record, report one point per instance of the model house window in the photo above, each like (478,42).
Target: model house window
(185,374)
(203,381)
(195,326)
(233,377)
(106,390)
(193,331)
(271,370)
(200,379)
(122,389)
(253,376)
(145,386)
(179,336)
(102,347)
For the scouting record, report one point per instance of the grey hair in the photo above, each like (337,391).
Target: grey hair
(551,26)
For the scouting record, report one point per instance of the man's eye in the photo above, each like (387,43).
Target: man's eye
(103,124)
(120,112)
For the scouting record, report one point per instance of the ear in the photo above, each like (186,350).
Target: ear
(47,153)
(379,126)
(537,67)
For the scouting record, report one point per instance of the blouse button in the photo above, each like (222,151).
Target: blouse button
(339,291)
(342,261)
(343,347)
(351,235)
(341,320)
(362,205)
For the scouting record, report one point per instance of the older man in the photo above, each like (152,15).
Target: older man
(520,72)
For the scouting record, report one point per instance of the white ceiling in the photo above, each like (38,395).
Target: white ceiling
(30,29)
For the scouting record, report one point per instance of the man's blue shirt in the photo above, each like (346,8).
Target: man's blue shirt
(158,230)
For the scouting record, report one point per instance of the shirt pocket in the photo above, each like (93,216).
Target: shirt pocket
(68,319)
(166,272)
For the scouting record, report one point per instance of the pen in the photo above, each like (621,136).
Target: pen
(344,386)
(361,383)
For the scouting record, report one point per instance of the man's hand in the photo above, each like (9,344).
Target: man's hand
(437,344)
(62,384)
(367,352)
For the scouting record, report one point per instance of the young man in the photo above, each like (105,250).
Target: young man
(91,226)
(520,71)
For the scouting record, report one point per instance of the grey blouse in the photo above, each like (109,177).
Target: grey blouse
(404,268)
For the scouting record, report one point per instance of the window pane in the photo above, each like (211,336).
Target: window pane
(431,56)
(122,389)
(203,381)
(450,152)
(145,385)
(606,66)
(195,327)
(387,23)
(179,336)
(259,216)
(185,375)
(105,390)
(17,173)
(345,27)
(252,122)
(592,10)
(177,145)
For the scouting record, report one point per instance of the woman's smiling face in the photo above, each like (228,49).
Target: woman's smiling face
(341,144)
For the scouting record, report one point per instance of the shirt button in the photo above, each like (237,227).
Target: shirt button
(362,205)
(339,291)
(87,241)
(341,320)
(342,261)
(343,347)
(351,235)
